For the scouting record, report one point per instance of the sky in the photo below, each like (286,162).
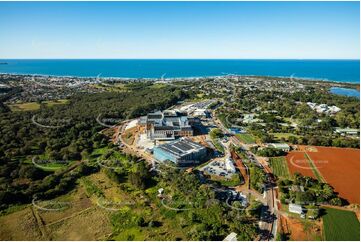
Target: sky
(172,30)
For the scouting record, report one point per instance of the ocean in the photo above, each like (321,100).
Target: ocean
(331,70)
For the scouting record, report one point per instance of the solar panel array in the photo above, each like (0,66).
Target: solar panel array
(181,147)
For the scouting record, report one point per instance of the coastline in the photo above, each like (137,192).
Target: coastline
(192,78)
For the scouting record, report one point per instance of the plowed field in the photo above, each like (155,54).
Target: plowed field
(340,167)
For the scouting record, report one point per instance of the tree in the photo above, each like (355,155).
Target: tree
(312,212)
(216,133)
(255,209)
(336,201)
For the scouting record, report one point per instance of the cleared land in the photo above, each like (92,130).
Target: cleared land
(81,220)
(246,138)
(300,230)
(279,167)
(341,225)
(297,162)
(30,106)
(340,167)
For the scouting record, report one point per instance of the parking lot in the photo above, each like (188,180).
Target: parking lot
(217,168)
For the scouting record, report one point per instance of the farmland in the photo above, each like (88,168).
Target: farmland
(341,225)
(298,163)
(333,164)
(279,167)
(340,167)
(314,168)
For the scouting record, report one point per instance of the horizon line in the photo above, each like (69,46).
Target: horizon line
(180,59)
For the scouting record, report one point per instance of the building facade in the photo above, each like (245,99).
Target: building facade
(167,125)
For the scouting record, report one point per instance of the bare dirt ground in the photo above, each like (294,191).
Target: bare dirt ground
(341,169)
(301,230)
(297,162)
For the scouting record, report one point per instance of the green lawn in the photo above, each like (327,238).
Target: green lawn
(246,138)
(224,121)
(234,181)
(279,167)
(47,164)
(218,145)
(341,225)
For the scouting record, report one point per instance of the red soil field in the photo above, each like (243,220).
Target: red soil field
(240,166)
(297,230)
(340,167)
(297,162)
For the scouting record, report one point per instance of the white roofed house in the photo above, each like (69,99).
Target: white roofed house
(347,131)
(280,146)
(295,208)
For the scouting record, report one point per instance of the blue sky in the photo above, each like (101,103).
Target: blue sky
(261,30)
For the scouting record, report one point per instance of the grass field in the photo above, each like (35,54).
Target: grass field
(47,164)
(24,106)
(218,145)
(246,138)
(56,102)
(284,135)
(279,167)
(341,225)
(30,106)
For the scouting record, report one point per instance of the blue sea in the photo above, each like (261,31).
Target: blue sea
(331,70)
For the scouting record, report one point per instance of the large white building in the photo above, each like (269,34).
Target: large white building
(279,146)
(181,152)
(167,125)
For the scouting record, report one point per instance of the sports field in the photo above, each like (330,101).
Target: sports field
(246,138)
(341,225)
(339,167)
(279,167)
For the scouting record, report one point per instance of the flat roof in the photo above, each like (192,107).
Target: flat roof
(347,130)
(279,145)
(181,147)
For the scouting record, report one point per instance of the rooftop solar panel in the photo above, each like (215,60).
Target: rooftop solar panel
(183,146)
